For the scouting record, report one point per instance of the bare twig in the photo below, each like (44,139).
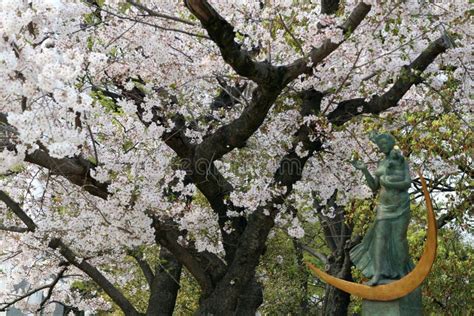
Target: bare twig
(154,25)
(297,41)
(13,229)
(314,253)
(52,285)
(154,13)
(29,293)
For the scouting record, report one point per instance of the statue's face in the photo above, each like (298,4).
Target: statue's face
(385,145)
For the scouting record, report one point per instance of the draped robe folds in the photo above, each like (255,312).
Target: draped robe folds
(386,239)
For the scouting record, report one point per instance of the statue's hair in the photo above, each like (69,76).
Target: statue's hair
(376,137)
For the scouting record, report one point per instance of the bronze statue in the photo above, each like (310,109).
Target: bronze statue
(393,288)
(383,253)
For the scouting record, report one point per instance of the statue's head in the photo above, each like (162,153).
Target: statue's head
(385,142)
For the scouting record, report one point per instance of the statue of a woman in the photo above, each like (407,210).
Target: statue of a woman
(382,255)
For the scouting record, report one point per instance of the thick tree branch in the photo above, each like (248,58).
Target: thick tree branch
(81,264)
(76,169)
(13,229)
(198,160)
(204,266)
(242,269)
(329,6)
(236,133)
(18,211)
(175,138)
(144,266)
(222,33)
(216,188)
(305,276)
(95,275)
(229,95)
(317,55)
(167,236)
(409,76)
(165,286)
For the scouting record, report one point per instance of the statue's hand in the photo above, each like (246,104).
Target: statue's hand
(387,180)
(359,164)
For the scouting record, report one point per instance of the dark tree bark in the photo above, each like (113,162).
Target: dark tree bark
(336,302)
(329,6)
(337,233)
(250,299)
(165,285)
(304,302)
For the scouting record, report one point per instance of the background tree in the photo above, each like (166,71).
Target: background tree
(171,137)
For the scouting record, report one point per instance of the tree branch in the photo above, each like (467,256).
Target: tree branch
(329,6)
(167,236)
(199,159)
(76,169)
(177,141)
(49,286)
(451,214)
(318,54)
(176,138)
(154,13)
(236,133)
(314,253)
(13,229)
(165,286)
(144,266)
(94,274)
(222,33)
(17,210)
(242,268)
(52,285)
(22,297)
(67,253)
(409,76)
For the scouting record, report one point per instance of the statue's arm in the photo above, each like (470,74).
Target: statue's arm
(372,182)
(403,185)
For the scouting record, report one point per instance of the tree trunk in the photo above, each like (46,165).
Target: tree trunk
(165,286)
(304,303)
(336,302)
(337,233)
(250,297)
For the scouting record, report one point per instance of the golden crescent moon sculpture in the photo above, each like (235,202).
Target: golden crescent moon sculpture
(405,285)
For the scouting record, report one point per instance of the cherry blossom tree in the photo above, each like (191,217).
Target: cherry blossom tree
(192,130)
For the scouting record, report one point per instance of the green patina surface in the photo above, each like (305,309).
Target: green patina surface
(409,305)
(382,256)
